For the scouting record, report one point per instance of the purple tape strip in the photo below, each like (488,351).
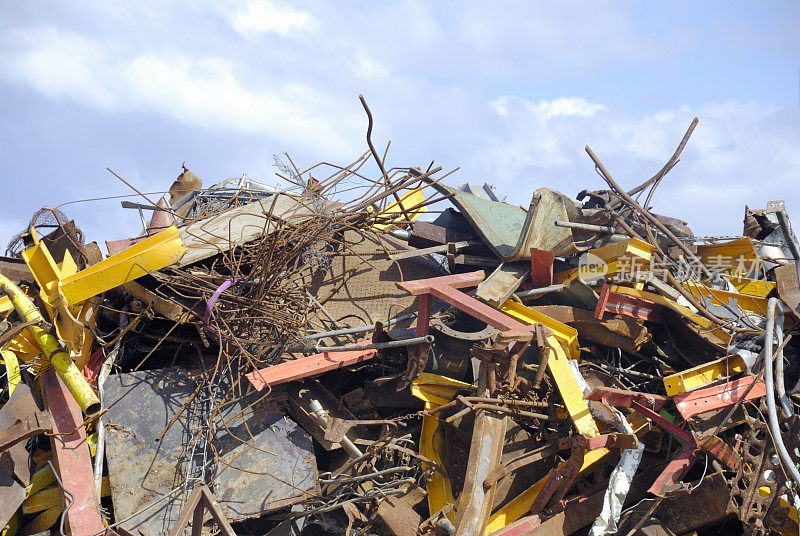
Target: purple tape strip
(215,297)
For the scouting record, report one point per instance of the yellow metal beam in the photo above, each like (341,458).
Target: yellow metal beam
(153,253)
(618,258)
(57,354)
(701,375)
(666,302)
(521,505)
(50,497)
(12,370)
(633,247)
(750,304)
(735,257)
(408,201)
(43,521)
(528,316)
(562,344)
(436,391)
(758,288)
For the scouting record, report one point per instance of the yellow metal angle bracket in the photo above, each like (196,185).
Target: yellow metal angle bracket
(436,391)
(57,283)
(701,375)
(410,205)
(562,345)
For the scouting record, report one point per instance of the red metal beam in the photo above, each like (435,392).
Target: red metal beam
(542,267)
(708,399)
(622,304)
(72,459)
(307,366)
(423,286)
(672,473)
(446,288)
(623,398)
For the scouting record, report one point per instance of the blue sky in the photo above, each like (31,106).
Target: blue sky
(509,91)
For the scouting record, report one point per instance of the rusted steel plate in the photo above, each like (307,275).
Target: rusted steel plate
(298,404)
(15,459)
(426,234)
(15,269)
(787,286)
(563,523)
(683,513)
(506,278)
(259,449)
(12,493)
(28,418)
(541,267)
(217,234)
(72,459)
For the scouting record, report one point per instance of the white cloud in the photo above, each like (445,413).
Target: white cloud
(60,65)
(263,16)
(740,153)
(209,92)
(366,67)
(545,109)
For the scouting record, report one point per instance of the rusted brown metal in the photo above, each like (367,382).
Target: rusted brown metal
(486,449)
(72,459)
(622,332)
(195,508)
(28,419)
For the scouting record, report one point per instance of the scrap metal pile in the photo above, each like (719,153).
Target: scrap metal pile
(336,357)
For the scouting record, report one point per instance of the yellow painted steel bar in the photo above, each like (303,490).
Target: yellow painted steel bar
(666,302)
(734,257)
(747,303)
(57,354)
(12,526)
(521,504)
(701,375)
(408,201)
(51,497)
(158,251)
(43,521)
(12,368)
(631,247)
(562,344)
(436,391)
(528,316)
(758,288)
(617,257)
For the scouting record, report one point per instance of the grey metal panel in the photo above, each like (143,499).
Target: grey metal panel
(280,471)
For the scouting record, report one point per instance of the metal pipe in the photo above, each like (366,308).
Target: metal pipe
(361,329)
(322,418)
(51,347)
(105,370)
(772,320)
(539,291)
(786,405)
(646,214)
(585,227)
(368,476)
(401,234)
(427,339)
(786,228)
